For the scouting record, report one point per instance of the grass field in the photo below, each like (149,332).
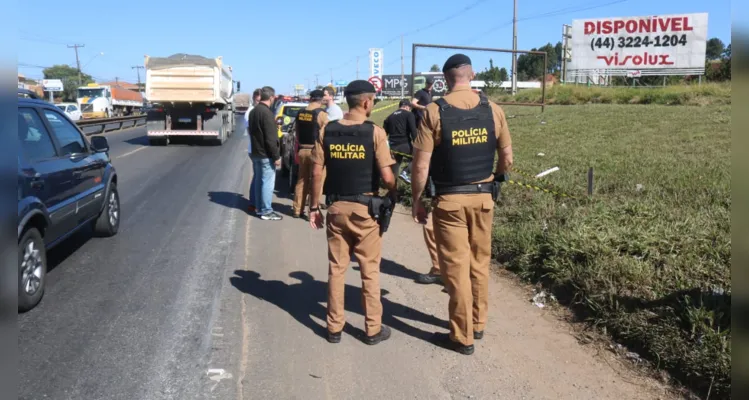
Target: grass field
(708,93)
(648,257)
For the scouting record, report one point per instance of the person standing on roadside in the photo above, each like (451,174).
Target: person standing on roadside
(461,168)
(421,100)
(356,154)
(253,102)
(334,110)
(309,122)
(400,127)
(265,155)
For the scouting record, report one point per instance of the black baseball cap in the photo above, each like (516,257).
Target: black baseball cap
(404,102)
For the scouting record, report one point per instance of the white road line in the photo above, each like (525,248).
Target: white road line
(131,152)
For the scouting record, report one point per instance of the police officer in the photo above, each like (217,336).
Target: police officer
(355,153)
(456,144)
(308,124)
(400,127)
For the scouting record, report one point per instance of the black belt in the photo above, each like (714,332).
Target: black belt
(486,187)
(354,198)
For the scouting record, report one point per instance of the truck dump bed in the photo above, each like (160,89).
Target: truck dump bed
(187,78)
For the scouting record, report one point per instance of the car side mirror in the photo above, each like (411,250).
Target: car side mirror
(99,144)
(279,121)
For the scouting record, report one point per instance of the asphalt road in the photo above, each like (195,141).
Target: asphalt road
(129,317)
(195,299)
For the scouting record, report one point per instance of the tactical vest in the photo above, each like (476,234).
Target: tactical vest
(469,142)
(350,159)
(308,130)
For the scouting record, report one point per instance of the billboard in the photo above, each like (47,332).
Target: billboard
(375,62)
(651,43)
(391,84)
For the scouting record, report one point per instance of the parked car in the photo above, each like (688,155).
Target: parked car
(71,109)
(65,183)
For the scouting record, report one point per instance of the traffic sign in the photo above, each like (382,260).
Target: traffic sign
(52,85)
(376,81)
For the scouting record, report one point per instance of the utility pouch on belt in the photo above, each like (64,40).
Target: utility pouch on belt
(498,179)
(495,191)
(381,209)
(431,191)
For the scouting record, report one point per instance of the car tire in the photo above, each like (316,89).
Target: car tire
(32,269)
(108,222)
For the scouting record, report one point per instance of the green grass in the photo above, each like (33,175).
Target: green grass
(650,265)
(709,93)
(647,258)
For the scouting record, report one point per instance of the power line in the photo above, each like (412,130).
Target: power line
(417,30)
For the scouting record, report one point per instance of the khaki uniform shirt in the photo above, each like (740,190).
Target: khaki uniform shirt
(462,97)
(382,151)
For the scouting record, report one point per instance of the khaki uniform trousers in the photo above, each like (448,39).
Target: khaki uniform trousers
(463,227)
(304,181)
(431,243)
(350,227)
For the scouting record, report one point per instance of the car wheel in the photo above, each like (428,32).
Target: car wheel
(108,222)
(32,269)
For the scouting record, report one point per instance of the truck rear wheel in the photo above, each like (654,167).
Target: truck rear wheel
(158,141)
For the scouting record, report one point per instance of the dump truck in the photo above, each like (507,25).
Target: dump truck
(191,96)
(105,101)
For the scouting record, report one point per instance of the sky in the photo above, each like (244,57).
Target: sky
(283,43)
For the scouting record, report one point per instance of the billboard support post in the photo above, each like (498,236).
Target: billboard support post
(413,69)
(542,104)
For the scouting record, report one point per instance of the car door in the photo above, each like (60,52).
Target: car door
(46,174)
(74,112)
(87,166)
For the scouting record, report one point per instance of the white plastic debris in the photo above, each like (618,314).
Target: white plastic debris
(547,172)
(639,187)
(540,154)
(540,298)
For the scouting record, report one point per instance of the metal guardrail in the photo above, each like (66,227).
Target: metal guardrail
(102,125)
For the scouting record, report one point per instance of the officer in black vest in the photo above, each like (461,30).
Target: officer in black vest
(456,144)
(308,124)
(355,153)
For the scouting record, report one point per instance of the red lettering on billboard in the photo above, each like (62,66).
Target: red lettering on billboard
(631,26)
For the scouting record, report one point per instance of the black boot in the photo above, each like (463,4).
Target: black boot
(381,336)
(334,337)
(478,335)
(428,279)
(443,340)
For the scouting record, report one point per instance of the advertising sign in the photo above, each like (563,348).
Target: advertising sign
(376,81)
(391,84)
(341,83)
(375,62)
(640,43)
(52,85)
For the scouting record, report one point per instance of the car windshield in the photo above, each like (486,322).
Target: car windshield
(291,111)
(93,92)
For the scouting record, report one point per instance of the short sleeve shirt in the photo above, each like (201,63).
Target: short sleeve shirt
(382,150)
(424,99)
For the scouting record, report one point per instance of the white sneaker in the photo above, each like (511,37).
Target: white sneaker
(405,177)
(271,216)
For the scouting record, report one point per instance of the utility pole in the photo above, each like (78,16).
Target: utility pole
(331,76)
(357,67)
(77,60)
(137,68)
(514,46)
(117,80)
(317,81)
(402,71)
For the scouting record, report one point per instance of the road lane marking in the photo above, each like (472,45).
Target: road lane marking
(131,152)
(243,311)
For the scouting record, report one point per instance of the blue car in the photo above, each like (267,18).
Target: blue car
(65,183)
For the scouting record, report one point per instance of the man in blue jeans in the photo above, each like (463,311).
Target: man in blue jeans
(265,156)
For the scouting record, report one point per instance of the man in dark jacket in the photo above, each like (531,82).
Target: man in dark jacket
(400,127)
(265,156)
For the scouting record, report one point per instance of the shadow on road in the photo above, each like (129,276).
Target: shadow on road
(306,299)
(395,269)
(230,200)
